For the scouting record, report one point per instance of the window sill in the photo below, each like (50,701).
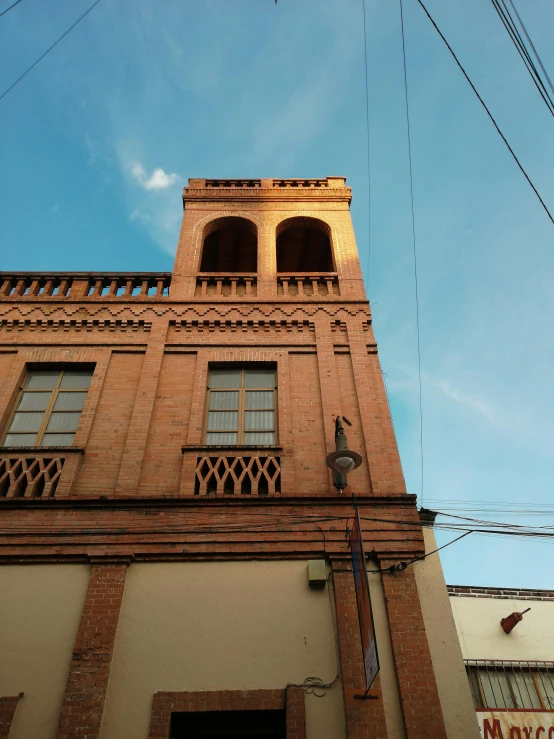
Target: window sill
(231,447)
(38,449)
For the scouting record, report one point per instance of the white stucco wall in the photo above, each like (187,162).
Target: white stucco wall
(481,636)
(40,610)
(221,626)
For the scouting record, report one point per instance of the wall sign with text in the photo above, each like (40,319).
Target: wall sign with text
(363,599)
(516,724)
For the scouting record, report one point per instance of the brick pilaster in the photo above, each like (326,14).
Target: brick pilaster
(83,703)
(417,687)
(328,380)
(365,719)
(8,705)
(137,435)
(385,469)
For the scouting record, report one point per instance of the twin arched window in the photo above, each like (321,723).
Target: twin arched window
(231,245)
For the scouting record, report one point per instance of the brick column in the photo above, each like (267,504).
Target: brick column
(83,703)
(7,712)
(135,445)
(267,262)
(365,719)
(419,697)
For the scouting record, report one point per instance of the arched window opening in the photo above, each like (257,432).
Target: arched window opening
(230,245)
(303,245)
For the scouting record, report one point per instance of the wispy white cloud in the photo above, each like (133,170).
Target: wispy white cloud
(471,401)
(158,180)
(443,387)
(137,215)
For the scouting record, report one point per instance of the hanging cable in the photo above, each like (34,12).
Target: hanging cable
(517,40)
(490,115)
(8,9)
(535,52)
(26,72)
(368,151)
(399,566)
(408,132)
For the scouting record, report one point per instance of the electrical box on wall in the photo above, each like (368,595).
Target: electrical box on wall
(317,573)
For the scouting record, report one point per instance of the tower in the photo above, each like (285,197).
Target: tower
(164,486)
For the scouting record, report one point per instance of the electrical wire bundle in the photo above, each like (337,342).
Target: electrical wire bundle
(526,50)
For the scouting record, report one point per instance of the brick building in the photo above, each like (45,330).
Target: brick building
(163,485)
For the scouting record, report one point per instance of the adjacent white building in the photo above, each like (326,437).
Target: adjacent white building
(511,675)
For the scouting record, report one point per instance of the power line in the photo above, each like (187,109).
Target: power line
(18,80)
(549,214)
(413,245)
(535,52)
(368,150)
(8,9)
(515,36)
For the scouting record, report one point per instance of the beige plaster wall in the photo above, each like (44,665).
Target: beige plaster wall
(221,626)
(40,609)
(446,655)
(482,637)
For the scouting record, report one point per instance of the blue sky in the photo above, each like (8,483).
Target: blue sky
(252,89)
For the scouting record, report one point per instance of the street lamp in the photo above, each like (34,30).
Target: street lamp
(342,460)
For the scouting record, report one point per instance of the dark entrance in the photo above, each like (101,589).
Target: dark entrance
(228,725)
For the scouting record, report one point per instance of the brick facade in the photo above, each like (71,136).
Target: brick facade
(126,490)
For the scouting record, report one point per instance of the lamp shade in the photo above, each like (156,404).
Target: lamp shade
(343,461)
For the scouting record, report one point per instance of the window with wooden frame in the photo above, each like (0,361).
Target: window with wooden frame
(48,408)
(241,406)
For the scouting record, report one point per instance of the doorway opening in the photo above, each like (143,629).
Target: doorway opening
(228,725)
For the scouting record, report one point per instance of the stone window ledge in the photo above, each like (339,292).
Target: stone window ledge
(237,448)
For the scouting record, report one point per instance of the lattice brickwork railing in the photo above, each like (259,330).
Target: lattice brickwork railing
(30,477)
(242,475)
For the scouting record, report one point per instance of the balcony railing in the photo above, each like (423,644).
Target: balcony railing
(512,686)
(300,183)
(233,183)
(308,285)
(226,285)
(242,474)
(85,285)
(38,473)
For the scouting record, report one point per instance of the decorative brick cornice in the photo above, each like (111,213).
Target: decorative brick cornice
(403,500)
(185,308)
(64,325)
(329,189)
(204,528)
